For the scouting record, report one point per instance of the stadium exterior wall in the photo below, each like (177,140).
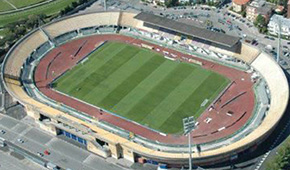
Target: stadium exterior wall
(119,146)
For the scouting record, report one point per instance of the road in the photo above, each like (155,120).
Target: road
(63,153)
(12,161)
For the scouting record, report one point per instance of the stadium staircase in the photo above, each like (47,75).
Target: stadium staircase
(50,39)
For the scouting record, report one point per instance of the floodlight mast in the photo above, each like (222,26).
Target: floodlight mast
(189,125)
(189,149)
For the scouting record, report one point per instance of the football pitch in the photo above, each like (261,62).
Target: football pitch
(141,85)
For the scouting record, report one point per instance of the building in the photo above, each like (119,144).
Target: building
(184,1)
(258,7)
(157,2)
(273,27)
(239,5)
(279,9)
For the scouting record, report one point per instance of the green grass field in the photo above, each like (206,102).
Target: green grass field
(7,5)
(4,6)
(142,86)
(49,9)
(24,3)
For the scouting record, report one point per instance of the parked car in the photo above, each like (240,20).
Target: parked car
(46,152)
(240,29)
(20,140)
(2,132)
(40,154)
(254,42)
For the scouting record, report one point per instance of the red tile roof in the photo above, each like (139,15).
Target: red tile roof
(241,2)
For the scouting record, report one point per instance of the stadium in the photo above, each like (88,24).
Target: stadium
(121,83)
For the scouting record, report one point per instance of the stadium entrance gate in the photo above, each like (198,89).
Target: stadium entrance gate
(72,136)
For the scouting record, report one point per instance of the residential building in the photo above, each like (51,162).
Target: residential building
(183,1)
(273,27)
(259,7)
(213,1)
(156,2)
(239,5)
(279,9)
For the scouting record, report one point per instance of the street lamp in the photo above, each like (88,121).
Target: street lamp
(188,127)
(105,5)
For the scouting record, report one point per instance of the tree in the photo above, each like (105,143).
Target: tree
(11,26)
(68,9)
(82,1)
(21,21)
(10,37)
(244,13)
(2,43)
(263,30)
(20,30)
(32,21)
(282,160)
(171,3)
(260,21)
(74,4)
(261,24)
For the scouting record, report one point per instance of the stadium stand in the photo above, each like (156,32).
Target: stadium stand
(278,87)
(127,19)
(88,30)
(41,50)
(23,50)
(246,53)
(154,21)
(36,44)
(65,37)
(262,93)
(81,21)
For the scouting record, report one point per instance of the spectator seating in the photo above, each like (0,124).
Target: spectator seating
(127,19)
(82,21)
(22,51)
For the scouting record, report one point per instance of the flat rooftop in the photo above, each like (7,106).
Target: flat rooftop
(201,33)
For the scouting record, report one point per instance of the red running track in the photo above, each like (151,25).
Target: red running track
(241,107)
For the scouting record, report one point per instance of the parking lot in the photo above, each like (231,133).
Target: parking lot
(218,20)
(12,161)
(28,136)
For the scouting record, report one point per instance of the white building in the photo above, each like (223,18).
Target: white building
(163,1)
(273,25)
(183,1)
(156,2)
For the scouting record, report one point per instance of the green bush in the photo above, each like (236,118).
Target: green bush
(282,159)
